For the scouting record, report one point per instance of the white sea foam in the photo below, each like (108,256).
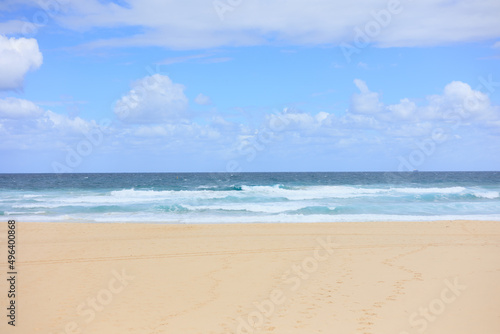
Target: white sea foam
(422,191)
(250,203)
(248,193)
(285,218)
(254,207)
(31,196)
(313,192)
(486,194)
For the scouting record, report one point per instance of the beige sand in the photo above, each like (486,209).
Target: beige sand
(391,278)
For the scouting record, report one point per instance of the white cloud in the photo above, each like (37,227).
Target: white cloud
(460,113)
(14,27)
(66,124)
(366,102)
(454,114)
(14,108)
(151,131)
(152,99)
(404,110)
(291,121)
(474,102)
(321,116)
(197,24)
(430,23)
(458,100)
(359,121)
(177,133)
(17,57)
(203,99)
(25,125)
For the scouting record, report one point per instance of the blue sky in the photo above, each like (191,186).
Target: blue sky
(151,86)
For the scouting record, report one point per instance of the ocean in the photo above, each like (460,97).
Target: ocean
(250,197)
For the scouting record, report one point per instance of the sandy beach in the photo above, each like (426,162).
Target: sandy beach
(384,277)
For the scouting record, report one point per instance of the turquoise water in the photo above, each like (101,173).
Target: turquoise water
(250,197)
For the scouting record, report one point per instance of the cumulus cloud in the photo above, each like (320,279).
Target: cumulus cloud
(178,132)
(296,120)
(454,114)
(460,113)
(14,108)
(404,110)
(152,99)
(65,124)
(458,100)
(17,57)
(26,114)
(447,121)
(366,102)
(462,99)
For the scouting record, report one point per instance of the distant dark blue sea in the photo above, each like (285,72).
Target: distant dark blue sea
(250,197)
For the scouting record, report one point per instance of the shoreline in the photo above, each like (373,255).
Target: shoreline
(362,277)
(210,223)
